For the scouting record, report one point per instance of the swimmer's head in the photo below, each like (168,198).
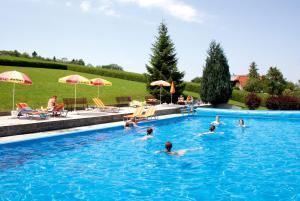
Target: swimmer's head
(127,124)
(241,122)
(149,131)
(168,146)
(212,128)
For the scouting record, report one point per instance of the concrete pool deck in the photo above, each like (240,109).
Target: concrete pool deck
(13,126)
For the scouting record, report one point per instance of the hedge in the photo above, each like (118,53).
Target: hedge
(193,87)
(37,63)
(23,62)
(240,95)
(108,72)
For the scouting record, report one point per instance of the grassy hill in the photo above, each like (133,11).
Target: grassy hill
(45,84)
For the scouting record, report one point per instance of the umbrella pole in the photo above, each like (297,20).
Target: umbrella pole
(171,98)
(98,90)
(75,99)
(160,95)
(13,106)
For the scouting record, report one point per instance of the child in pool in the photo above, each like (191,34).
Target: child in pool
(217,121)
(242,123)
(168,150)
(149,134)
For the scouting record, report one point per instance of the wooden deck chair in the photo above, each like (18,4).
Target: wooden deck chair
(148,114)
(138,111)
(100,105)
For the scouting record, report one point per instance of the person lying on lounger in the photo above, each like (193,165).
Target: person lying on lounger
(169,151)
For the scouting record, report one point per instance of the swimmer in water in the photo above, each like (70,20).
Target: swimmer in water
(217,121)
(130,123)
(242,123)
(149,134)
(168,150)
(212,130)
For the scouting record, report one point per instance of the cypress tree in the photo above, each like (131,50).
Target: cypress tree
(216,86)
(163,66)
(254,84)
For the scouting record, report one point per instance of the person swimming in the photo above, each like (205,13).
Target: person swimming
(149,134)
(130,123)
(212,130)
(168,150)
(242,123)
(217,121)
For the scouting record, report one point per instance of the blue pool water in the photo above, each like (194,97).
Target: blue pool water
(259,162)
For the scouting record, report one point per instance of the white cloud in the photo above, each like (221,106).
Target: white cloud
(176,8)
(85,6)
(107,9)
(69,4)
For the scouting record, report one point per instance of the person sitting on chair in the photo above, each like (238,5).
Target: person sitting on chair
(52,103)
(181,100)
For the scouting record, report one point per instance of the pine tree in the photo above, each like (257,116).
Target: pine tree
(163,66)
(253,71)
(254,83)
(216,86)
(275,81)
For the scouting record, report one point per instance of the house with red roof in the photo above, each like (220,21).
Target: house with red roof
(239,81)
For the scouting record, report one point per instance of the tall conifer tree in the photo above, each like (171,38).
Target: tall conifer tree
(216,86)
(163,66)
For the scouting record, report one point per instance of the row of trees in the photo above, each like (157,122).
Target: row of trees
(216,86)
(35,55)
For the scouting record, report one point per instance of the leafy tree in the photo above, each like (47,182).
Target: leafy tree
(216,86)
(34,54)
(275,81)
(163,66)
(254,83)
(54,58)
(113,66)
(197,80)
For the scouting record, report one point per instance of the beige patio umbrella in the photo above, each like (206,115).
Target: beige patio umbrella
(161,84)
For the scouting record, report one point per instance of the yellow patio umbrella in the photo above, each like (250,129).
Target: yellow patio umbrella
(172,90)
(100,82)
(74,79)
(161,84)
(15,77)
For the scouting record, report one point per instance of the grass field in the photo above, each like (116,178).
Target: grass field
(45,84)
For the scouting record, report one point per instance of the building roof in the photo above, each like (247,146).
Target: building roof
(242,79)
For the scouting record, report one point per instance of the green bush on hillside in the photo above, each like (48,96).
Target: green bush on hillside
(109,73)
(193,87)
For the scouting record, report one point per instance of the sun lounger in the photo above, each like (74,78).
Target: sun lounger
(58,110)
(100,105)
(150,113)
(138,111)
(25,110)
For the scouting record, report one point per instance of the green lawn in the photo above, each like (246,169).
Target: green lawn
(243,106)
(45,84)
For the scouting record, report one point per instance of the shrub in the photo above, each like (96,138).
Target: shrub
(239,95)
(193,87)
(283,103)
(252,101)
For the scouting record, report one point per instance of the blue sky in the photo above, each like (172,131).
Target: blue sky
(122,31)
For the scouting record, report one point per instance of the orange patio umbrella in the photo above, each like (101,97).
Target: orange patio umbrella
(172,90)
(100,82)
(160,83)
(15,77)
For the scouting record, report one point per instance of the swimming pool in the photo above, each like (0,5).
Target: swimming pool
(259,162)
